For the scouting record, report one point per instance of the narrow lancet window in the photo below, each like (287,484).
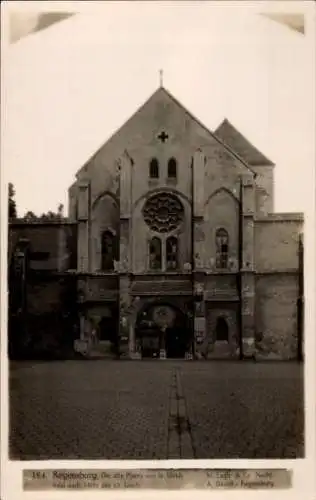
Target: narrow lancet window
(107,251)
(154,169)
(221,248)
(172,168)
(172,253)
(155,254)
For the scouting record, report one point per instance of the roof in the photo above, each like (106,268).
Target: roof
(233,138)
(163,90)
(219,139)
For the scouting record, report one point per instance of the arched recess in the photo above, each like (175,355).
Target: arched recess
(220,190)
(221,215)
(103,195)
(166,325)
(222,329)
(105,220)
(142,232)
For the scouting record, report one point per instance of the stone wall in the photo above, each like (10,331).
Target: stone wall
(265,189)
(276,243)
(45,294)
(221,211)
(51,243)
(276,315)
(105,216)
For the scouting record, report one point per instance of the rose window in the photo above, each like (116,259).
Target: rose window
(163,212)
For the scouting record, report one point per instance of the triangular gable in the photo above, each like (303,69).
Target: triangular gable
(232,137)
(221,141)
(166,93)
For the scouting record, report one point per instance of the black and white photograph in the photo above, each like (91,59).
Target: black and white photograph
(158,166)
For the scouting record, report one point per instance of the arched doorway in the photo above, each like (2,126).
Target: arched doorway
(107,331)
(222,329)
(163,326)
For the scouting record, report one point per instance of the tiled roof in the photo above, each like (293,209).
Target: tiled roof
(233,138)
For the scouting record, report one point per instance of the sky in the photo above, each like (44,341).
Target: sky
(70,86)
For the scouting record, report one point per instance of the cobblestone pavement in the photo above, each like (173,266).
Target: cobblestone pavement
(155,410)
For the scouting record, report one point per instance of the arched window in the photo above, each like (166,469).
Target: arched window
(108,251)
(154,169)
(172,168)
(172,253)
(155,253)
(221,329)
(221,248)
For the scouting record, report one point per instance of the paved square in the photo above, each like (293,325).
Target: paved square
(155,410)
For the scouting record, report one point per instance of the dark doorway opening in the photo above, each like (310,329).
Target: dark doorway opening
(108,329)
(161,326)
(176,342)
(221,329)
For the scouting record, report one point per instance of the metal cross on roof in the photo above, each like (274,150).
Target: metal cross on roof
(161,77)
(163,136)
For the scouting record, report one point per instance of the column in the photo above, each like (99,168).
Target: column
(198,172)
(82,326)
(248,314)
(248,212)
(125,267)
(198,241)
(199,313)
(124,314)
(248,267)
(83,227)
(162,352)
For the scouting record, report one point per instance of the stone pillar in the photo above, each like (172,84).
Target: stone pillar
(62,255)
(198,209)
(124,309)
(83,227)
(248,212)
(126,166)
(131,338)
(248,314)
(248,267)
(199,313)
(198,179)
(82,326)
(162,353)
(125,265)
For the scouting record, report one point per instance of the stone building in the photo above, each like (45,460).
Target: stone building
(179,252)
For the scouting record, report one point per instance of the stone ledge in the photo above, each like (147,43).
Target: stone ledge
(281,217)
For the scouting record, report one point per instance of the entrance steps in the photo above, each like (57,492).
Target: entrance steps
(97,350)
(221,350)
(100,350)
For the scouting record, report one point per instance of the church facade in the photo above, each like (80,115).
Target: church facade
(179,252)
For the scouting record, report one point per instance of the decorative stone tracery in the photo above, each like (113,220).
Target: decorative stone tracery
(163,212)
